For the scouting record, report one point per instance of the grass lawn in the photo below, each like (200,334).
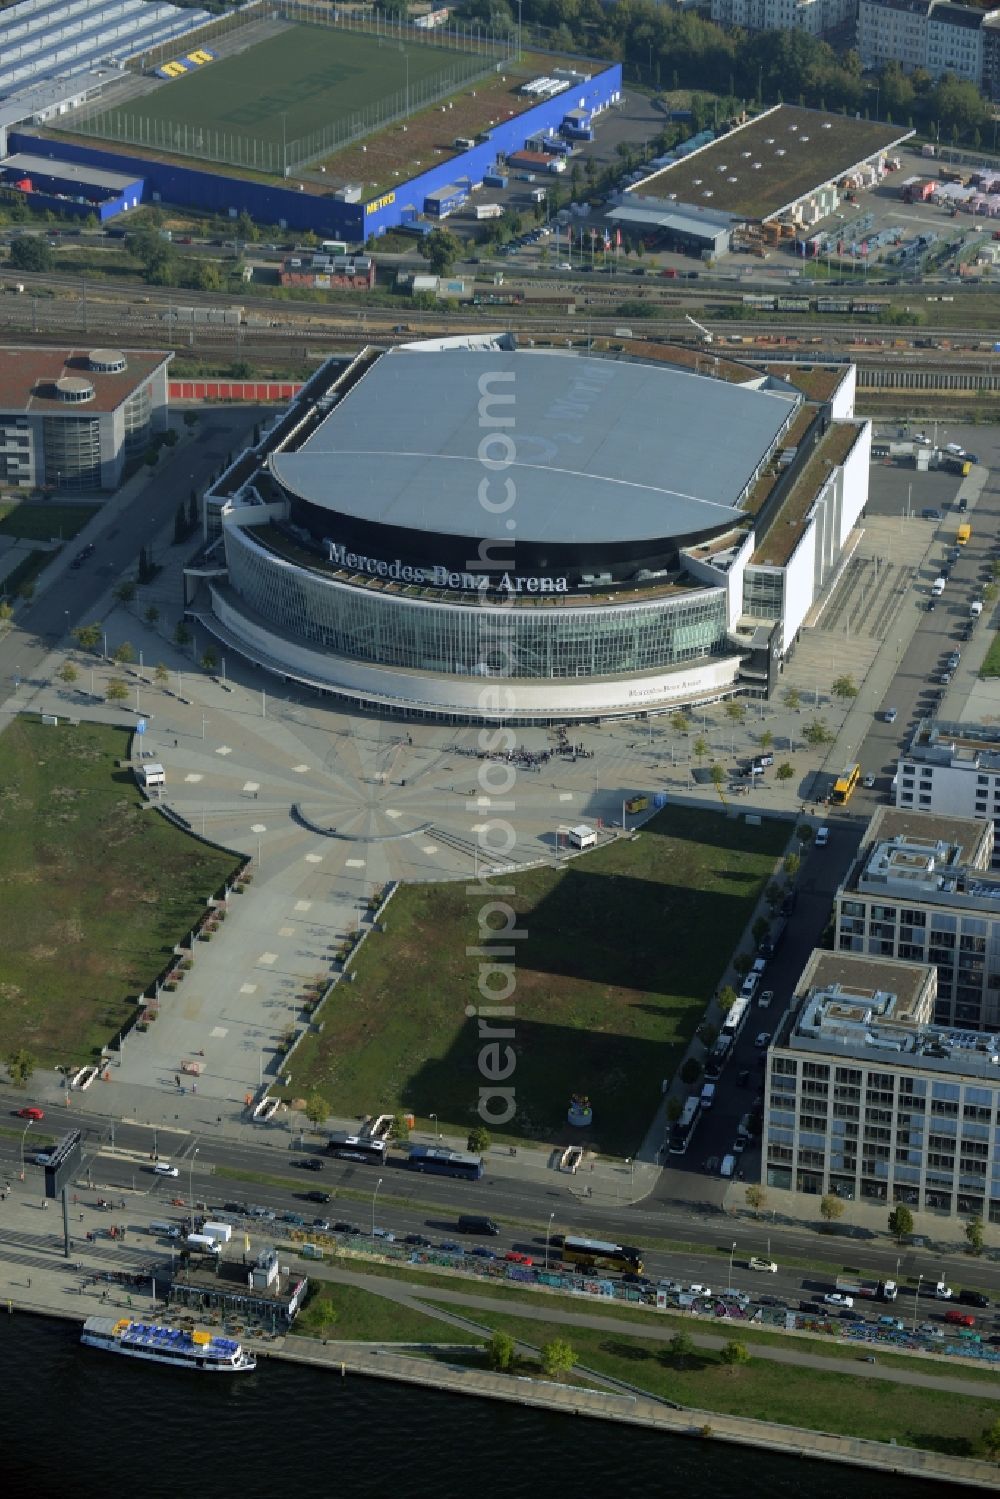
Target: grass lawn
(44,522)
(991,665)
(880,1410)
(623,950)
(334,1311)
(94,891)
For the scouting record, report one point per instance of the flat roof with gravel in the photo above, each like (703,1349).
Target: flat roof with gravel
(764,166)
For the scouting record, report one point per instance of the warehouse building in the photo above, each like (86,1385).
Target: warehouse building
(581,561)
(788,166)
(70,418)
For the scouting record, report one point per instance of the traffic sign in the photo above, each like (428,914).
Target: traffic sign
(140,726)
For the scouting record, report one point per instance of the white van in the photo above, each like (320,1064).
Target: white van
(937,587)
(728,1165)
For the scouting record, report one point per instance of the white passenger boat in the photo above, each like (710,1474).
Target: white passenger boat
(185,1349)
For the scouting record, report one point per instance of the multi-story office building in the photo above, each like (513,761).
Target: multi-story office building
(953,770)
(921,890)
(70,419)
(932,34)
(868,1100)
(814,16)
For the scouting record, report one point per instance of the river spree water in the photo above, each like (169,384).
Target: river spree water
(82,1423)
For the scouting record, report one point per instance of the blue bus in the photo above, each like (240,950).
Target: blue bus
(441,1162)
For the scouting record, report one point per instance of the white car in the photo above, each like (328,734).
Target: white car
(699,1290)
(822,837)
(869,782)
(763,1039)
(943,1292)
(765,998)
(756,1263)
(164,1168)
(836,1298)
(564,265)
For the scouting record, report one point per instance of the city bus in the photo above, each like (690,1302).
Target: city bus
(597,1254)
(845,784)
(683,1128)
(441,1162)
(964,532)
(736,1019)
(355,1148)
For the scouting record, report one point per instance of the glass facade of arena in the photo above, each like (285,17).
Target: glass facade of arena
(367,624)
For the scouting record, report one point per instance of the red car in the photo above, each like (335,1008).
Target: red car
(30,1113)
(516,1258)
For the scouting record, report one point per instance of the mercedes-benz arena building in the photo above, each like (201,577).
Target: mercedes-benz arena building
(481,532)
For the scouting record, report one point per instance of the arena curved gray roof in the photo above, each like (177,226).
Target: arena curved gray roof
(596,450)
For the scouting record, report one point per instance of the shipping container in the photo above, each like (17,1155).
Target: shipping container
(489,210)
(494,179)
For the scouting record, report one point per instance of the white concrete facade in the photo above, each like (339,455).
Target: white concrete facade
(812,16)
(933,34)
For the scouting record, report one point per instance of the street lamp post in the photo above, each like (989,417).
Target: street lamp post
(437,1129)
(548,1231)
(24,1134)
(191,1184)
(916,1298)
(731,1254)
(374,1199)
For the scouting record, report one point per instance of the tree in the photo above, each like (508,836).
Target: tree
(975,1234)
(558,1358)
(734,1354)
(700,745)
(756,1197)
(87,637)
(845,687)
(793,698)
(116,690)
(674,1109)
(31,253)
(442,249)
(124,591)
(399,1129)
(716,773)
(784,772)
(152,614)
(727,998)
(20,1065)
(124,654)
(182,635)
(690,1070)
(900,1221)
(743,962)
(479,1140)
(830,1208)
(804,833)
(67,673)
(760,929)
(500,1352)
(816,733)
(765,739)
(316,1109)
(161,675)
(735,711)
(681,1348)
(680,723)
(209,661)
(792,865)
(774,895)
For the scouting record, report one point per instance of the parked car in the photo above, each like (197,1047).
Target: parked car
(868,782)
(890,715)
(763,1039)
(837,1298)
(756,1263)
(418,1241)
(517,1258)
(822,837)
(447,1247)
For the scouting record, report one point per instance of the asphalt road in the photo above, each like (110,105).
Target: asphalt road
(118,538)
